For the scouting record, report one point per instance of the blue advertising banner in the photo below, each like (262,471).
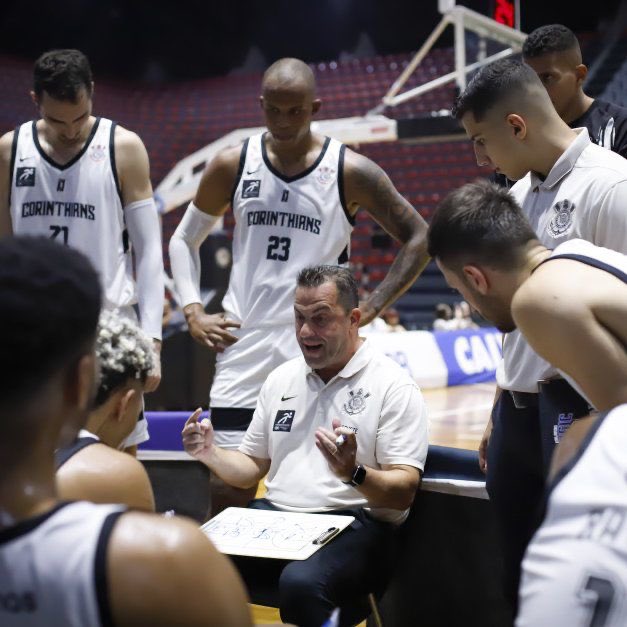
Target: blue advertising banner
(471,355)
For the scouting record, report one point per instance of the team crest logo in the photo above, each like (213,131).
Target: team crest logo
(356,403)
(563,218)
(97,152)
(563,422)
(283,420)
(25,177)
(250,188)
(325,175)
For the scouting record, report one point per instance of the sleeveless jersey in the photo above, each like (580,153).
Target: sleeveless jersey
(282,225)
(575,568)
(605,259)
(52,568)
(64,454)
(78,204)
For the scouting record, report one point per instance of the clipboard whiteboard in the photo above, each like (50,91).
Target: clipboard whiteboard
(268,533)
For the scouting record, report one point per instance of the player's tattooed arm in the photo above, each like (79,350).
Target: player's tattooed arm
(6,142)
(366,185)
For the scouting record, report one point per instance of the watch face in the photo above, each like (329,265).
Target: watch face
(359,475)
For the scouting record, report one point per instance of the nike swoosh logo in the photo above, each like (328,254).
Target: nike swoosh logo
(287,398)
(24,158)
(252,171)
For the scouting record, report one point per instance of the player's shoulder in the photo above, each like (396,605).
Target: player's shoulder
(358,164)
(293,369)
(602,166)
(6,146)
(126,139)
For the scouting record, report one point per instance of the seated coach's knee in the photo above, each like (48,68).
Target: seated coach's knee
(298,594)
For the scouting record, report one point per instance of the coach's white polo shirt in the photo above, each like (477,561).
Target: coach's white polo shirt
(584,196)
(372,395)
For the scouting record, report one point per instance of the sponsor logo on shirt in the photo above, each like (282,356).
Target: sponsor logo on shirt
(283,420)
(563,422)
(250,188)
(25,177)
(356,402)
(562,221)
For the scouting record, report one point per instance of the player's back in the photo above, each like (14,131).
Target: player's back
(283,224)
(575,568)
(53,567)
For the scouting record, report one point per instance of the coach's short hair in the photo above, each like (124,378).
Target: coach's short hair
(503,80)
(62,74)
(347,295)
(549,38)
(49,306)
(124,353)
(479,223)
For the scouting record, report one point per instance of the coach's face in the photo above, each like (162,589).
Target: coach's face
(479,289)
(326,333)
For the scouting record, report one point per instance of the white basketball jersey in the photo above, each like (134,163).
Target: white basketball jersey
(282,225)
(575,568)
(53,568)
(78,204)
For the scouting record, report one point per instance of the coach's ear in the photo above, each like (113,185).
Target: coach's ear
(518,125)
(476,279)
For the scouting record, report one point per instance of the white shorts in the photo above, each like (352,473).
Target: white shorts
(242,369)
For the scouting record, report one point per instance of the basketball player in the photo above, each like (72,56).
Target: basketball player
(576,564)
(568,188)
(294,196)
(78,564)
(91,468)
(554,54)
(84,181)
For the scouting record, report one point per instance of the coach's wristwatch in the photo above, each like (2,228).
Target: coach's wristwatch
(358,477)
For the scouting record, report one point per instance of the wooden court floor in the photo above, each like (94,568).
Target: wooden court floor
(457,418)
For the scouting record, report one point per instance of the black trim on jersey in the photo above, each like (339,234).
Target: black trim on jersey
(240,168)
(100,570)
(578,455)
(589,261)
(69,164)
(62,455)
(28,525)
(114,169)
(16,132)
(231,418)
(340,185)
(343,258)
(290,179)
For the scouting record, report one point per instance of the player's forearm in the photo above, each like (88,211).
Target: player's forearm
(409,263)
(394,488)
(233,467)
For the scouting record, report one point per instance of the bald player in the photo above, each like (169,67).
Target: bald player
(78,564)
(294,195)
(92,468)
(568,188)
(554,53)
(571,305)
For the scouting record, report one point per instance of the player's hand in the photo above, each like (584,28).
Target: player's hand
(198,436)
(341,458)
(210,330)
(154,376)
(483,447)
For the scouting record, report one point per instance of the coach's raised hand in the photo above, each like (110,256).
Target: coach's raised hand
(198,436)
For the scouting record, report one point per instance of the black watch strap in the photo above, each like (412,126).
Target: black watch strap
(358,476)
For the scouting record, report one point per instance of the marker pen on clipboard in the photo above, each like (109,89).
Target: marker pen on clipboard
(325,536)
